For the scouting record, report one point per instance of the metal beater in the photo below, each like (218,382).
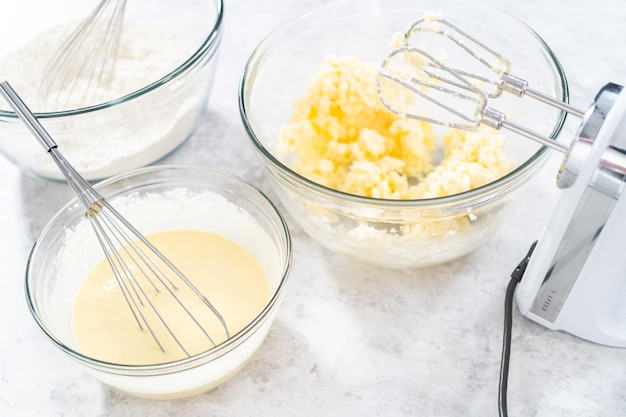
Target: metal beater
(424,82)
(138,266)
(83,66)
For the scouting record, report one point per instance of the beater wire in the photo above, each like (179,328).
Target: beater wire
(452,95)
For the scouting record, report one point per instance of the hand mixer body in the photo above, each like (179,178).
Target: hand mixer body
(576,278)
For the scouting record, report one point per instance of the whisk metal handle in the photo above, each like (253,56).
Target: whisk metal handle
(87,195)
(27,116)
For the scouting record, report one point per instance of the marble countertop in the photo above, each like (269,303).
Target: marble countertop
(349,339)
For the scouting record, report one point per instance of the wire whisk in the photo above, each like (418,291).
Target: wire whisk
(81,71)
(140,269)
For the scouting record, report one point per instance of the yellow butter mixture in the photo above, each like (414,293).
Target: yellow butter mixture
(225,272)
(341,136)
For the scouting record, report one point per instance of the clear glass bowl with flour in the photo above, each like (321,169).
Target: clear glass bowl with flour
(162,80)
(179,199)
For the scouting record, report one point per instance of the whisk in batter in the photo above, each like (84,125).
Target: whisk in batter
(138,266)
(216,265)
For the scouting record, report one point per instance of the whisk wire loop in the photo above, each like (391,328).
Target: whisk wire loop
(81,71)
(132,247)
(118,238)
(125,278)
(132,302)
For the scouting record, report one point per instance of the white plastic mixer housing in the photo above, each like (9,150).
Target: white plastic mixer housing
(576,278)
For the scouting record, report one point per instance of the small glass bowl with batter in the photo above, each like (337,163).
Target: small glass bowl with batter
(154,199)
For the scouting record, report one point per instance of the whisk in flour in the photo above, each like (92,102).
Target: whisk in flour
(140,61)
(126,135)
(90,50)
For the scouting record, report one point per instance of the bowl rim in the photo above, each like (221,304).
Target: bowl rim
(196,360)
(207,46)
(467,197)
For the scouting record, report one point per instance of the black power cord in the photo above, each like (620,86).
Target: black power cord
(516,277)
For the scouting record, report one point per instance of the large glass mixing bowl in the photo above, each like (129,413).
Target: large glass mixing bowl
(379,231)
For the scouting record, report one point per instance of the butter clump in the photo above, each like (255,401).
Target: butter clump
(341,136)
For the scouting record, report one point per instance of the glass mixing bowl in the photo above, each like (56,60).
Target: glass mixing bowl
(394,233)
(176,197)
(155,115)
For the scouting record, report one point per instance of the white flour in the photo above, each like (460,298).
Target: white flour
(145,55)
(127,135)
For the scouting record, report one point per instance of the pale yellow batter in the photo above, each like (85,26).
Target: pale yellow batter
(225,272)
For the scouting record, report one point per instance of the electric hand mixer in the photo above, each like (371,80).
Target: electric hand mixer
(573,280)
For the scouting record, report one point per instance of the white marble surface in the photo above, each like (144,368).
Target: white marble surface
(350,339)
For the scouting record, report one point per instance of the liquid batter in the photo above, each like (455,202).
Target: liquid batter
(225,272)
